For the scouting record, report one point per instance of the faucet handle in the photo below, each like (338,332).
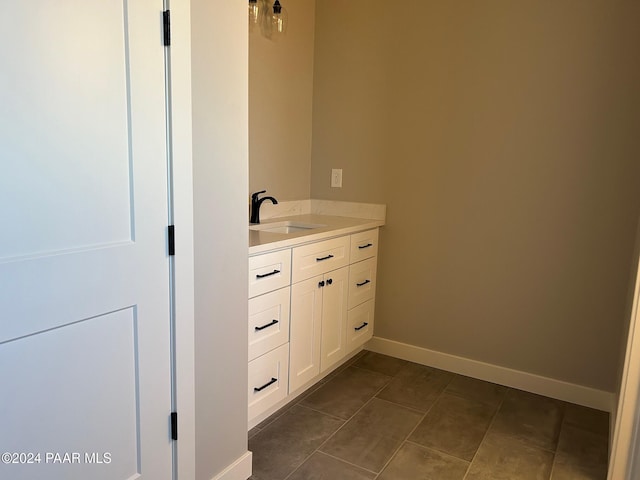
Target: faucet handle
(254,196)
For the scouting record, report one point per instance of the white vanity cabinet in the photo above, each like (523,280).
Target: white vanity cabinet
(310,307)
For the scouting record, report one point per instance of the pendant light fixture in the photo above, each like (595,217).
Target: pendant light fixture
(254,14)
(270,19)
(278,18)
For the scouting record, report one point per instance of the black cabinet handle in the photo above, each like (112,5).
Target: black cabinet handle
(365,246)
(363,283)
(267,325)
(270,382)
(329,281)
(321,283)
(324,258)
(267,274)
(361,326)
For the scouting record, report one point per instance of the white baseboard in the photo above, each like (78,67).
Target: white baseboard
(238,470)
(549,387)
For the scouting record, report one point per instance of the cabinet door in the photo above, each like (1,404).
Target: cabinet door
(334,317)
(305,331)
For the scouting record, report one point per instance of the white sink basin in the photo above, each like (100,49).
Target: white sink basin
(285,227)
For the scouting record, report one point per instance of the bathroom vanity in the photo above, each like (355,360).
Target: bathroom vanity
(312,285)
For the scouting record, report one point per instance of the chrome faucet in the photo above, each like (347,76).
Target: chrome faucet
(255,205)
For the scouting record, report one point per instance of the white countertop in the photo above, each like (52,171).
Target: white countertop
(334,226)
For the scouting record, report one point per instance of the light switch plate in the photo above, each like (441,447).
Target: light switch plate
(336,177)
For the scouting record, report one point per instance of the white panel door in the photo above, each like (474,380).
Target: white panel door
(84,285)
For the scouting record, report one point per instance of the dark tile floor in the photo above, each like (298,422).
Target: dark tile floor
(379,417)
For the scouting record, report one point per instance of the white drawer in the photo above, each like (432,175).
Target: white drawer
(362,281)
(320,257)
(364,245)
(359,325)
(269,271)
(268,380)
(268,321)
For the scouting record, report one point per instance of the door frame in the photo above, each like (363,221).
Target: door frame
(182,173)
(624,459)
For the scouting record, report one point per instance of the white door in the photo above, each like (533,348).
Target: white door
(84,286)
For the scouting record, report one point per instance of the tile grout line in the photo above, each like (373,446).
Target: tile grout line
(484,437)
(555,453)
(297,402)
(439,452)
(424,415)
(343,420)
(390,379)
(317,450)
(347,462)
(309,391)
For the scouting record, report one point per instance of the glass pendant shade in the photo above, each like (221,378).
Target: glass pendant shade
(254,13)
(279,19)
(269,19)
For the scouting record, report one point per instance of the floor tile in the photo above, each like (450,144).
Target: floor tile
(347,392)
(283,445)
(377,362)
(338,370)
(581,454)
(416,386)
(371,437)
(500,458)
(281,411)
(323,467)
(568,471)
(531,419)
(595,421)
(521,436)
(415,462)
(478,390)
(455,426)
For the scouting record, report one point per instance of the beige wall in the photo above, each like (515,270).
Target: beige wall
(504,138)
(280,93)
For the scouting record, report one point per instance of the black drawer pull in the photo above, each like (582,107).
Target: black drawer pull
(365,246)
(361,326)
(270,382)
(267,325)
(363,283)
(324,258)
(321,283)
(267,274)
(329,281)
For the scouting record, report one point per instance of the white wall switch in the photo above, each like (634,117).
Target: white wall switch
(336,177)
